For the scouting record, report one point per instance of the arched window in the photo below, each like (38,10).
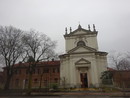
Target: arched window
(81,43)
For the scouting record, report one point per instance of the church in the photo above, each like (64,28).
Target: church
(82,64)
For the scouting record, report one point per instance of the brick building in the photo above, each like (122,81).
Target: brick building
(45,73)
(121,78)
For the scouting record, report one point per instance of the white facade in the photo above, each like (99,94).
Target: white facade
(82,64)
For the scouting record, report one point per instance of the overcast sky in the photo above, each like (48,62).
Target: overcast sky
(111,17)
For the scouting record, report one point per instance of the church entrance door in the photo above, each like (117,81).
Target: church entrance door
(84,80)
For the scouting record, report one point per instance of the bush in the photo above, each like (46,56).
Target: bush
(54,86)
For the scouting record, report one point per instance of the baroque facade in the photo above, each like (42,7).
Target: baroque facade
(82,64)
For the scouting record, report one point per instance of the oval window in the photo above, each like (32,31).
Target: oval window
(81,43)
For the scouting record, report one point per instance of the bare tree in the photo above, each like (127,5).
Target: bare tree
(119,61)
(38,48)
(124,64)
(10,49)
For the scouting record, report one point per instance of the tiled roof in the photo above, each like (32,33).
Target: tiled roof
(114,70)
(44,63)
(110,69)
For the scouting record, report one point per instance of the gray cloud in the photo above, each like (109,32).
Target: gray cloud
(111,18)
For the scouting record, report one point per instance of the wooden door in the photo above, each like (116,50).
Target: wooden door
(84,80)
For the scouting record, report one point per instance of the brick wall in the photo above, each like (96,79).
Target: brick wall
(47,72)
(121,78)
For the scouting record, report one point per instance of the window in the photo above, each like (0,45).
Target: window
(55,70)
(45,82)
(56,80)
(81,43)
(38,71)
(46,70)
(16,71)
(26,81)
(34,71)
(27,71)
(35,80)
(19,71)
(17,82)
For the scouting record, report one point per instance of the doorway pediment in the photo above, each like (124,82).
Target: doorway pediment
(83,63)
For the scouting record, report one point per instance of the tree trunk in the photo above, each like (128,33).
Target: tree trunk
(8,79)
(7,82)
(40,82)
(29,84)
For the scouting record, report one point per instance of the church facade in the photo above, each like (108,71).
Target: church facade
(82,64)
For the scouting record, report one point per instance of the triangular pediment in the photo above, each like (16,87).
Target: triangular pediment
(80,31)
(79,49)
(82,61)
